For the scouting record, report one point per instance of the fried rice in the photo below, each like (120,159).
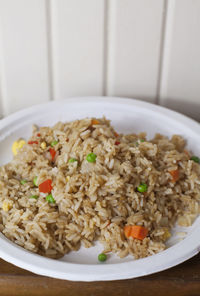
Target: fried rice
(95,200)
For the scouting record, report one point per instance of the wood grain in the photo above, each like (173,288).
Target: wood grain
(183,279)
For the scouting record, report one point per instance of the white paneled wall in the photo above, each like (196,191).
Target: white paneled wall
(24,55)
(78,47)
(180,86)
(134,48)
(54,49)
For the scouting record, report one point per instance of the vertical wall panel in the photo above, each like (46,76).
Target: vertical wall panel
(24,53)
(1,108)
(180,83)
(77,47)
(2,78)
(1,99)
(134,42)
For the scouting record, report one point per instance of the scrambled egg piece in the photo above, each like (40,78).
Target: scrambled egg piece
(166,234)
(6,206)
(17,145)
(67,178)
(43,145)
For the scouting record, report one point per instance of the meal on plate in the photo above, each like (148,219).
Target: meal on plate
(78,182)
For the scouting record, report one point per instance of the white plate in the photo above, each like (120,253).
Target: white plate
(127,115)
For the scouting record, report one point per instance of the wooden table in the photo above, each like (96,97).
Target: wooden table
(183,279)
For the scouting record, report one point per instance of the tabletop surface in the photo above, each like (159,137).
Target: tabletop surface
(183,279)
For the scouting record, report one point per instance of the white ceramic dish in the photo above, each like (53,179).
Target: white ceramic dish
(127,115)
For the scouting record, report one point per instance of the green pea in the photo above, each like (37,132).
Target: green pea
(142,187)
(34,196)
(91,157)
(102,257)
(23,182)
(35,181)
(72,160)
(54,143)
(195,159)
(50,198)
(139,141)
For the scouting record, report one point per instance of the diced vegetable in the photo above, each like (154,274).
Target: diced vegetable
(38,135)
(139,141)
(43,145)
(17,145)
(23,181)
(50,198)
(135,231)
(6,206)
(15,148)
(117,143)
(34,196)
(142,187)
(54,143)
(127,230)
(175,175)
(94,122)
(53,153)
(46,186)
(116,134)
(72,160)
(102,257)
(166,233)
(91,157)
(21,143)
(35,181)
(32,142)
(195,159)
(68,178)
